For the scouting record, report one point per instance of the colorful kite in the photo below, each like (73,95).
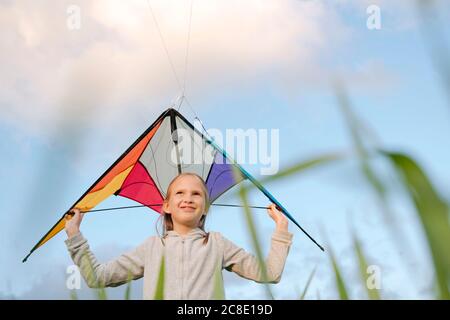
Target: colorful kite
(144,171)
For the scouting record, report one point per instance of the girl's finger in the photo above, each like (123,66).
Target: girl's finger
(274,207)
(272,214)
(74,211)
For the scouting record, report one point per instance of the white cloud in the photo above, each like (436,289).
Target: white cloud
(115,63)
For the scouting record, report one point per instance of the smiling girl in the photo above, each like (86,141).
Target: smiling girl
(191,255)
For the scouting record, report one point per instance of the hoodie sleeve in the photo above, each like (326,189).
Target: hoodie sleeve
(129,265)
(247,266)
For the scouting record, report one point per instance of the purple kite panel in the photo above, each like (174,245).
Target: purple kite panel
(222,176)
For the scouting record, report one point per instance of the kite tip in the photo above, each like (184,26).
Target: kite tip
(319,246)
(26,258)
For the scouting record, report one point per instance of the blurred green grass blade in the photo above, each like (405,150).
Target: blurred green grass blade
(219,290)
(254,236)
(73,295)
(159,294)
(128,289)
(373,294)
(311,276)
(355,127)
(343,295)
(339,281)
(296,168)
(290,171)
(433,213)
(436,40)
(100,292)
(303,166)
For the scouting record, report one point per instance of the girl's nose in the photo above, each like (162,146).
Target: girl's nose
(187,199)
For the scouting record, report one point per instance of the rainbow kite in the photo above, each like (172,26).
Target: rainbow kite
(143,172)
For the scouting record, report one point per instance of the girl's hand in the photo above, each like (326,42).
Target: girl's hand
(73,221)
(279,218)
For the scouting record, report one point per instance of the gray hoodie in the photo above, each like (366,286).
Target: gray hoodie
(190,265)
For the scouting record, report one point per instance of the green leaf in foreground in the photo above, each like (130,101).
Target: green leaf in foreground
(219,290)
(73,295)
(304,165)
(433,213)
(159,294)
(128,289)
(373,294)
(252,229)
(311,276)
(343,295)
(92,278)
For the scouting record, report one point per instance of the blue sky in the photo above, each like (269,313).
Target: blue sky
(62,128)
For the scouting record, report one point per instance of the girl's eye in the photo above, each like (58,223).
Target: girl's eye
(179,192)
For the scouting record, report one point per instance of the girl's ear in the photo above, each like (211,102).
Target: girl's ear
(166,207)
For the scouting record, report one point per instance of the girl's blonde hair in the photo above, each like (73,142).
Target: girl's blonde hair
(167,223)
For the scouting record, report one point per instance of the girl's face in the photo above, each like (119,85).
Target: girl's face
(186,202)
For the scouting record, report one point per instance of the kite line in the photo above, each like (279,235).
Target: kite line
(160,204)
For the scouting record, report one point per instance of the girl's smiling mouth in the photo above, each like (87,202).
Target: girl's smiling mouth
(187,208)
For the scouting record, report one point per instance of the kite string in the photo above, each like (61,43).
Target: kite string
(182,96)
(164,45)
(159,205)
(186,58)
(182,88)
